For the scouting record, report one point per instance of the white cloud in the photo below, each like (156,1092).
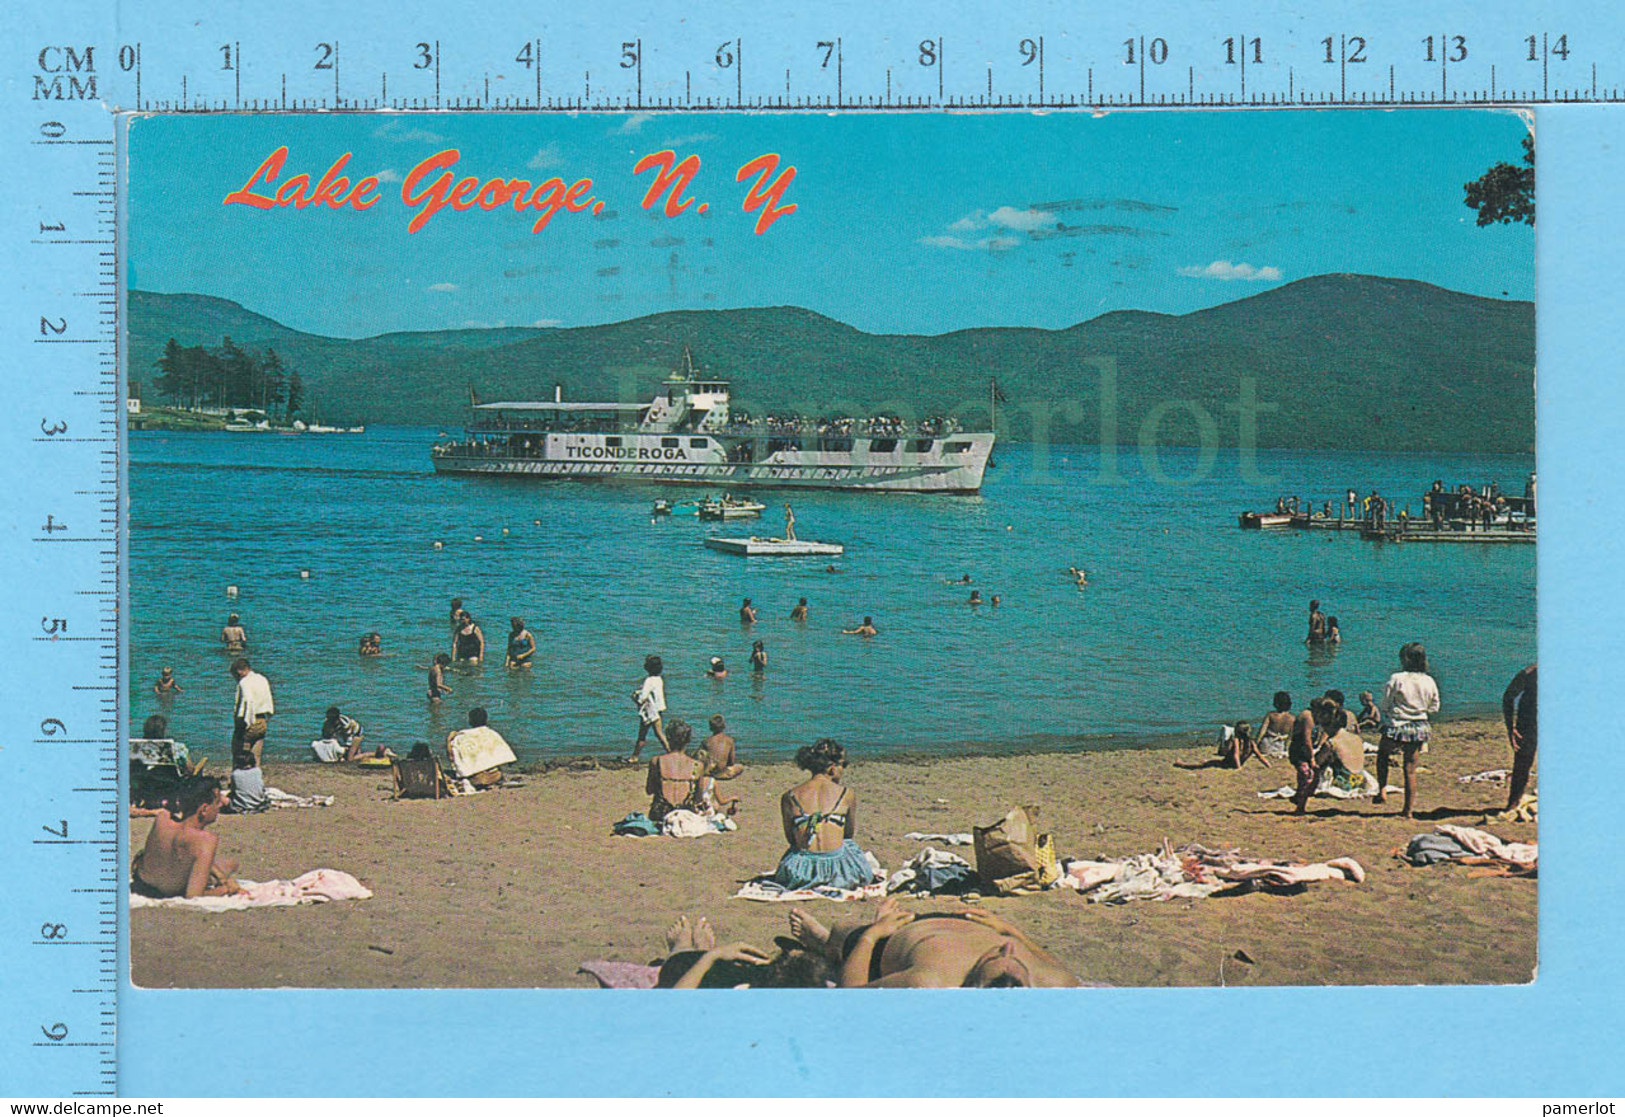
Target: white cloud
(388,174)
(398,131)
(442,286)
(1224,269)
(548,156)
(1022,220)
(632,124)
(969,223)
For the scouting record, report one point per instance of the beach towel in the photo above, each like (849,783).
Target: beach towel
(621,975)
(1481,843)
(689,824)
(327,750)
(1493,775)
(283,800)
(477,749)
(319,886)
(768,890)
(945,839)
(1331,787)
(1195,872)
(933,872)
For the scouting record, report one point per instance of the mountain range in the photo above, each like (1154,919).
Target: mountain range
(1341,361)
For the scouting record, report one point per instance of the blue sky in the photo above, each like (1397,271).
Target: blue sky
(904,223)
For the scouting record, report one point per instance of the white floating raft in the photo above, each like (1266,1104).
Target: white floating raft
(757,545)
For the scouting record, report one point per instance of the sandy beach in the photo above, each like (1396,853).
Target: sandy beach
(517,887)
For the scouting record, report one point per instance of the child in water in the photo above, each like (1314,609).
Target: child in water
(437,677)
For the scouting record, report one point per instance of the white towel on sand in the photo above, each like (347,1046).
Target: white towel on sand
(318,886)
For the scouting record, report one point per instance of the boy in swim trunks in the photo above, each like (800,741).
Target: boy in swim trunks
(179,858)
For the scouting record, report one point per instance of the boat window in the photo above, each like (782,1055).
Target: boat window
(882,445)
(699,443)
(774,445)
(670,442)
(838,444)
(922,445)
(957,447)
(612,440)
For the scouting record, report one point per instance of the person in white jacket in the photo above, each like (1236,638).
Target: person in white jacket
(1409,696)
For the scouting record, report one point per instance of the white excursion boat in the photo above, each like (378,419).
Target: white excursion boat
(688,435)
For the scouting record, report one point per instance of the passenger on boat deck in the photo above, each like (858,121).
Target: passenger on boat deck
(650,699)
(371,645)
(747,613)
(820,819)
(167,683)
(674,776)
(521,644)
(1276,726)
(437,677)
(717,669)
(799,613)
(975,597)
(234,636)
(973,948)
(758,657)
(180,855)
(867,628)
(1317,625)
(468,643)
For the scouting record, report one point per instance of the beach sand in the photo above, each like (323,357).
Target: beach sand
(518,886)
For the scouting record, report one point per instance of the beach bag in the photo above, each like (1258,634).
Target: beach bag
(1012,856)
(418,779)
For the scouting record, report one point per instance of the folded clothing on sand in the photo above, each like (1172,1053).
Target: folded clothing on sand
(1493,775)
(318,886)
(327,750)
(1194,872)
(676,824)
(936,873)
(1458,843)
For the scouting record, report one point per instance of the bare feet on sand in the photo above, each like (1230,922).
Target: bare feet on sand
(808,931)
(679,936)
(704,937)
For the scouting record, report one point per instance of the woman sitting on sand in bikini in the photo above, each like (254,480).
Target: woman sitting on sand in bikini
(674,775)
(820,818)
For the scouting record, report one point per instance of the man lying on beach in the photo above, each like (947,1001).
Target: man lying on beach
(938,950)
(179,857)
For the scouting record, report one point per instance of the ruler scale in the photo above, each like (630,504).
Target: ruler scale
(64,954)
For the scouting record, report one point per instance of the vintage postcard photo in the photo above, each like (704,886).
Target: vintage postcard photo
(703,550)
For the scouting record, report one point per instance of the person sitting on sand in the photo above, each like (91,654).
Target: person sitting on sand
(180,856)
(521,644)
(709,795)
(799,613)
(478,752)
(820,819)
(234,636)
(758,657)
(1409,696)
(721,749)
(674,776)
(340,727)
(1369,719)
(650,699)
(695,961)
(1275,729)
(747,612)
(716,669)
(867,628)
(1240,746)
(437,677)
(371,645)
(1344,753)
(468,643)
(973,948)
(167,684)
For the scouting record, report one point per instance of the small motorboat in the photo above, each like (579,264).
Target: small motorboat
(730,508)
(756,545)
(1266,519)
(674,508)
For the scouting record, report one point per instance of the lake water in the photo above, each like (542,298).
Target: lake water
(1187,620)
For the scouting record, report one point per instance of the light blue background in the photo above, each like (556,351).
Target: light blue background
(1557,1037)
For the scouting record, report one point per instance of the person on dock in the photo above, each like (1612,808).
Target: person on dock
(758,657)
(234,636)
(1408,698)
(181,857)
(437,677)
(973,948)
(650,699)
(789,523)
(167,684)
(799,613)
(1518,710)
(747,612)
(867,628)
(468,643)
(1352,503)
(1317,624)
(521,644)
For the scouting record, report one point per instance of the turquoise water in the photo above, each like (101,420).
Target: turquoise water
(1187,621)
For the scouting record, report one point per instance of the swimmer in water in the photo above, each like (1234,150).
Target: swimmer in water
(521,644)
(371,645)
(1079,576)
(747,612)
(995,601)
(234,636)
(717,669)
(867,628)
(456,613)
(468,643)
(758,657)
(167,684)
(799,613)
(975,597)
(437,677)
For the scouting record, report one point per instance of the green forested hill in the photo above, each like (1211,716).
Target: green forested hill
(1355,361)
